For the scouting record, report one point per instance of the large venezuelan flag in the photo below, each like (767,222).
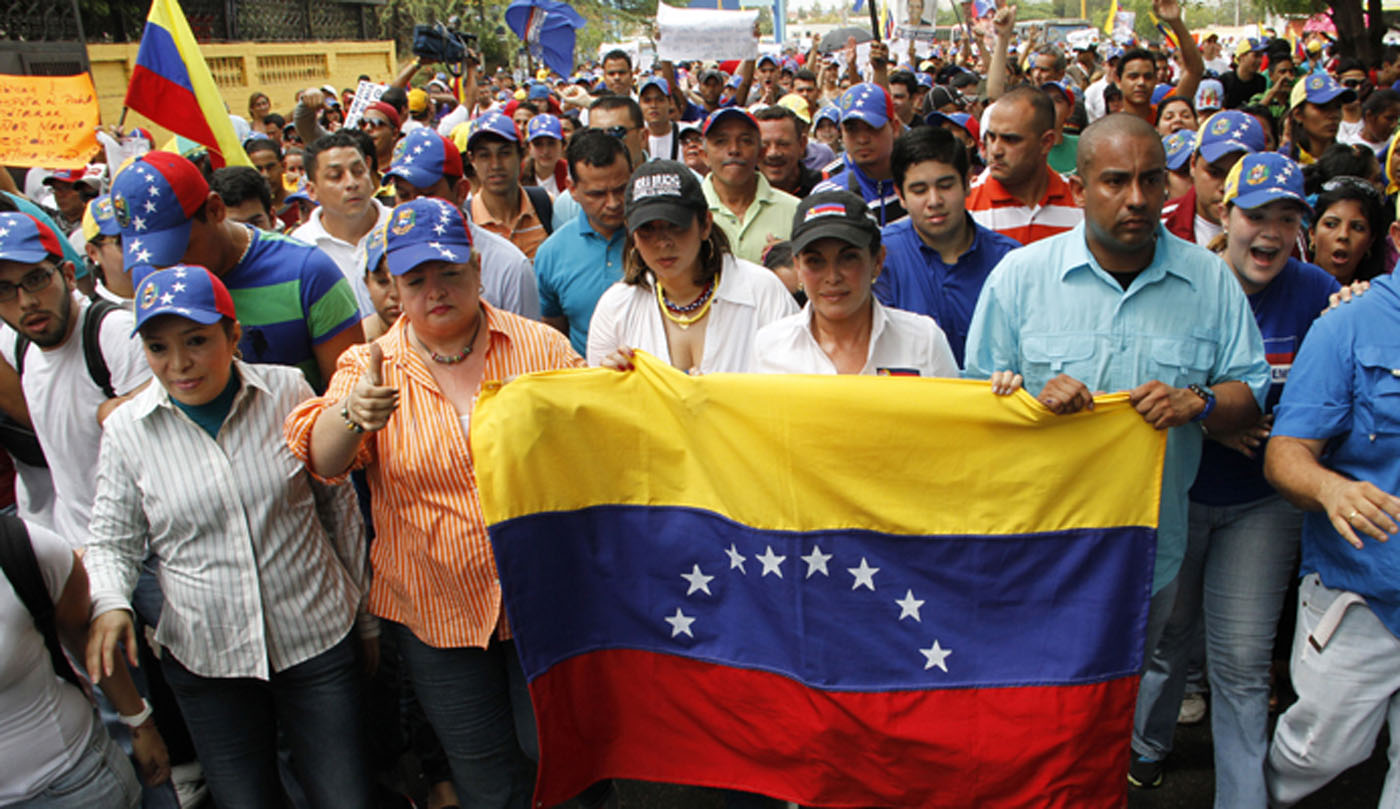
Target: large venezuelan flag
(840,591)
(172,86)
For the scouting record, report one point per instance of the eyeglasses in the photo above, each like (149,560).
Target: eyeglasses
(618,132)
(1356,183)
(37,280)
(374,123)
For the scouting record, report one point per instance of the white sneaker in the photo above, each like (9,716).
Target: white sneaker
(190,788)
(1193,709)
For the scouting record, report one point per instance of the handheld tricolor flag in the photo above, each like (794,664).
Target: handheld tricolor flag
(172,86)
(1112,20)
(914,605)
(547,29)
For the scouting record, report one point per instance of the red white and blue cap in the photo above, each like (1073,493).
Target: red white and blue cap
(74,176)
(1264,177)
(543,125)
(374,247)
(833,215)
(185,290)
(1228,132)
(1064,88)
(1319,88)
(961,120)
(423,157)
(658,82)
(104,216)
(767,57)
(426,229)
(1180,145)
(724,114)
(866,102)
(26,240)
(829,113)
(153,199)
(734,81)
(493,123)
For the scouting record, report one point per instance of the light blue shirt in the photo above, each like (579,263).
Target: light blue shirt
(573,268)
(1049,308)
(565,207)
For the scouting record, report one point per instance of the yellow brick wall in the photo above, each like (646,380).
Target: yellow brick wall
(279,69)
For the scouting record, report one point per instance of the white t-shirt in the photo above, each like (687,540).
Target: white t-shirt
(47,721)
(1206,230)
(900,343)
(659,147)
(350,258)
(63,402)
(1350,131)
(748,298)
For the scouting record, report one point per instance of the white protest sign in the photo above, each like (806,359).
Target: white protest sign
(365,94)
(1082,38)
(1123,26)
(693,33)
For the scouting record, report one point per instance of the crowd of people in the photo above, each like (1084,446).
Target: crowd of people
(236,400)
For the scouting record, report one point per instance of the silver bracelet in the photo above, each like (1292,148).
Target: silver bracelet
(139,719)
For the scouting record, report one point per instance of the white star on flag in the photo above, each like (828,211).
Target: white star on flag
(4,232)
(182,310)
(155,192)
(816,561)
(150,206)
(698,581)
(771,562)
(135,245)
(680,623)
(418,149)
(143,256)
(439,229)
(447,253)
(933,656)
(167,299)
(178,287)
(865,574)
(736,559)
(138,223)
(408,158)
(909,606)
(180,272)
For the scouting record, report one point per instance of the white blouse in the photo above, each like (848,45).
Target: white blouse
(749,297)
(901,344)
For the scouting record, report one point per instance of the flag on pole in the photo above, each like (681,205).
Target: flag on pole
(860,4)
(1112,18)
(172,86)
(547,29)
(1166,32)
(919,608)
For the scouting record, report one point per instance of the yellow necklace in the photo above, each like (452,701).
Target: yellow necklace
(684,316)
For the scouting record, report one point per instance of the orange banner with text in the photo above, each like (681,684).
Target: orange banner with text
(49,121)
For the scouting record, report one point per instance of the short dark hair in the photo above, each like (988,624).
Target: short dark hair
(805,75)
(596,149)
(1378,101)
(1349,63)
(528,105)
(618,53)
(906,79)
(252,145)
(922,144)
(614,102)
(1042,108)
(1060,63)
(236,185)
(779,254)
(396,97)
(340,139)
(777,113)
(275,118)
(1136,54)
(1388,54)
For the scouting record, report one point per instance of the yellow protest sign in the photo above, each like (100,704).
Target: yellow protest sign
(49,121)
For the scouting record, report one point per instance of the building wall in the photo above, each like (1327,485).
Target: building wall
(280,69)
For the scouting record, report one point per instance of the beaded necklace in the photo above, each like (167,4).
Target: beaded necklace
(684,316)
(453,359)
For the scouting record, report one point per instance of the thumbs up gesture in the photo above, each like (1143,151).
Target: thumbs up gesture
(370,403)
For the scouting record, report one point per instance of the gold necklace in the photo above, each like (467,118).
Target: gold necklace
(700,306)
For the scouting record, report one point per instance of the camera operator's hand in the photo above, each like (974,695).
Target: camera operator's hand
(474,57)
(313,98)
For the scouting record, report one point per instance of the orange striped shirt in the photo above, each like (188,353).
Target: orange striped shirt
(526,231)
(994,208)
(433,568)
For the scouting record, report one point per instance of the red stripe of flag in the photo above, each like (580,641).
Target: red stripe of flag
(170,105)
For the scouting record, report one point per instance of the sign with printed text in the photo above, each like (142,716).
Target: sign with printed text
(693,33)
(49,121)
(365,94)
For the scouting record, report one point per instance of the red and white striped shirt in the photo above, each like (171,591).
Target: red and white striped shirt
(993,207)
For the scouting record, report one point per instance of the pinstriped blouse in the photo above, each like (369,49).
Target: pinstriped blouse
(433,568)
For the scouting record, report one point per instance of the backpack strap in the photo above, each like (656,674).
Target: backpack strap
(544,209)
(22,569)
(97,368)
(675,141)
(21,348)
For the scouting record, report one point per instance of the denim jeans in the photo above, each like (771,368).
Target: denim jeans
(477,702)
(235,722)
(101,779)
(1236,574)
(1346,692)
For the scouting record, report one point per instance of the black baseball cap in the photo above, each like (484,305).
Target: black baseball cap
(664,189)
(833,215)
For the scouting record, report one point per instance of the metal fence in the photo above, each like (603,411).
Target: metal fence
(210,20)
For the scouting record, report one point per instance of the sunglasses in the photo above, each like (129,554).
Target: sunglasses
(374,123)
(618,132)
(1353,83)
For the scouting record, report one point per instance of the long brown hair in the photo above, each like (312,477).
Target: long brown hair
(712,252)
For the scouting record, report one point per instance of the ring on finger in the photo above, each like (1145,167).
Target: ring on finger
(1352,515)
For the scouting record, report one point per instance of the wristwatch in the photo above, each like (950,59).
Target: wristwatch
(1208,396)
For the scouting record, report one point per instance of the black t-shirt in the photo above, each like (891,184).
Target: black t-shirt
(1238,91)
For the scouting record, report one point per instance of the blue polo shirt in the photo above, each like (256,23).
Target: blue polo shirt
(878,194)
(916,279)
(1345,387)
(574,267)
(1049,308)
(1284,310)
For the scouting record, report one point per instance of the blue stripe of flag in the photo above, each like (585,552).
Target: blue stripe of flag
(159,55)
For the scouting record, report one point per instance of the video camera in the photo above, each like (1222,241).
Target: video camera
(443,43)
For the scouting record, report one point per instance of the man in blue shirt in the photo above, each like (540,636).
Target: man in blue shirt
(1335,452)
(1119,304)
(868,128)
(937,258)
(583,257)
